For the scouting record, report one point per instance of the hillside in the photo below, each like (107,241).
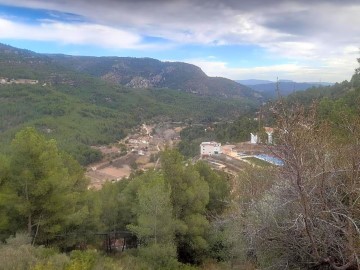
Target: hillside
(286,87)
(18,63)
(347,91)
(80,110)
(152,73)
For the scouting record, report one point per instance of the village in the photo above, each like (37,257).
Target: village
(140,151)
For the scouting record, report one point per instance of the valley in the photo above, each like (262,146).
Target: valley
(136,163)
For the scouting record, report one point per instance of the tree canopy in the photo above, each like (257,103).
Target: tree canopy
(45,184)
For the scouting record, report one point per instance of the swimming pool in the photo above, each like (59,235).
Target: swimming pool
(270,159)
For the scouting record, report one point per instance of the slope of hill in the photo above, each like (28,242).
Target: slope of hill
(347,91)
(152,73)
(19,63)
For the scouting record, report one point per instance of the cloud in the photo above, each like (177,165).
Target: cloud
(211,22)
(208,21)
(311,35)
(81,34)
(331,70)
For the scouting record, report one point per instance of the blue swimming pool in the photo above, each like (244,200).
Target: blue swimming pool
(273,160)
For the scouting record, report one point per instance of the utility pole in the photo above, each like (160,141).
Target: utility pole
(277,88)
(260,116)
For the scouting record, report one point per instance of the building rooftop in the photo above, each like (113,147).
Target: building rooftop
(269,129)
(209,143)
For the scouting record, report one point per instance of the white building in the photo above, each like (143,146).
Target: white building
(269,131)
(210,148)
(254,138)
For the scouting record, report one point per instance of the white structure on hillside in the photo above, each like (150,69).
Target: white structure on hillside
(269,131)
(254,138)
(210,148)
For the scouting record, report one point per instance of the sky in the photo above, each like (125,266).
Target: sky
(304,41)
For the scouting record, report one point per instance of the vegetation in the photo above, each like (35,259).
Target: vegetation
(42,188)
(191,137)
(307,215)
(77,120)
(257,162)
(237,131)
(233,132)
(303,215)
(44,193)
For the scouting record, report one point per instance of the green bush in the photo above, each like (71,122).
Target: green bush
(19,254)
(160,256)
(82,260)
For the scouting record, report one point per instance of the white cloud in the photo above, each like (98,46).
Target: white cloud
(317,37)
(331,70)
(81,33)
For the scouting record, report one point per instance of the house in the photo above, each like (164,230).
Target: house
(210,148)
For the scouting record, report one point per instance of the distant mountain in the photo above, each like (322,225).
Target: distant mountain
(152,73)
(126,71)
(321,83)
(253,82)
(286,87)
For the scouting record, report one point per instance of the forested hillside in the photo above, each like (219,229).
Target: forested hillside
(346,90)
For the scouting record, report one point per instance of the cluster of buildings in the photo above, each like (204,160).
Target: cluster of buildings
(138,144)
(17,81)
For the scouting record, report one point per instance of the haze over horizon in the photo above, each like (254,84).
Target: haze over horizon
(252,39)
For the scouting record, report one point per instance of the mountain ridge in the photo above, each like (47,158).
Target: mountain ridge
(152,73)
(126,71)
